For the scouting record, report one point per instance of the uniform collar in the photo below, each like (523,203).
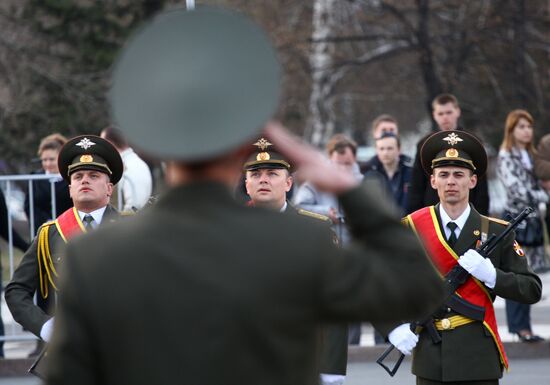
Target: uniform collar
(96,214)
(460,221)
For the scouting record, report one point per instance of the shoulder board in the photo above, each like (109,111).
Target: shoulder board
(499,221)
(127,213)
(46,224)
(313,215)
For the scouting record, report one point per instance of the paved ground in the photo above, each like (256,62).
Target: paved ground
(535,372)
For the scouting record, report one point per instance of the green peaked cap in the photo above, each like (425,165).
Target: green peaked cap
(192,85)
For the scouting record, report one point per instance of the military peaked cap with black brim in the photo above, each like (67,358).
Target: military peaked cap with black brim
(265,157)
(194,85)
(90,152)
(453,148)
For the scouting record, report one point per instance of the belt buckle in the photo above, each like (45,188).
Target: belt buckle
(445,323)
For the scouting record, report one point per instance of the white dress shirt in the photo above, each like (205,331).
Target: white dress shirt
(96,214)
(460,221)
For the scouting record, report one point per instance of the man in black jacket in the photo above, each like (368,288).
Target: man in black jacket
(446,113)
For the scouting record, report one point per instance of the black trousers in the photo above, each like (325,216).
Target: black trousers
(424,381)
(518,316)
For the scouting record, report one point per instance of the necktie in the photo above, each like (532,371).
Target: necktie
(88,219)
(452,237)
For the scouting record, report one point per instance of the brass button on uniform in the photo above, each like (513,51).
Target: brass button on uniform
(445,323)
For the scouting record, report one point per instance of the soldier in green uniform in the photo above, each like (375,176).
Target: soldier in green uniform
(268,179)
(199,289)
(91,166)
(470,350)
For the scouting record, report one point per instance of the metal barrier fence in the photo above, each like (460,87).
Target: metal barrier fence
(9,181)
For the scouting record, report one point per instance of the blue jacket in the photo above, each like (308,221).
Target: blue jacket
(399,184)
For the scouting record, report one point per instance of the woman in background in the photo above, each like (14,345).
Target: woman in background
(47,151)
(515,170)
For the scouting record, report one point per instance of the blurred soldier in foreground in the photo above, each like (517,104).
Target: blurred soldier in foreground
(199,289)
(462,345)
(91,166)
(267,181)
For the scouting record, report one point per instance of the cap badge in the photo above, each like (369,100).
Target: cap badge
(451,153)
(262,144)
(263,156)
(452,139)
(86,159)
(85,143)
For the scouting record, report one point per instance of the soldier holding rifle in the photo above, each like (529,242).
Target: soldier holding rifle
(460,342)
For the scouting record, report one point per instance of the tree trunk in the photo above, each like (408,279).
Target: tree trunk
(321,122)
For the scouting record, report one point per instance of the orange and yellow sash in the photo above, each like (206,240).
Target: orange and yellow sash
(424,223)
(68,225)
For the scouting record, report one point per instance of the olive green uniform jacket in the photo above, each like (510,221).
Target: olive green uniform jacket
(201,290)
(334,337)
(469,353)
(26,281)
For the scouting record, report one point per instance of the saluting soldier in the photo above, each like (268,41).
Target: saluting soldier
(470,350)
(214,292)
(91,166)
(268,179)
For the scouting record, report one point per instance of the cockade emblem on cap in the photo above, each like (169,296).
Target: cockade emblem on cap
(85,143)
(86,158)
(451,153)
(452,139)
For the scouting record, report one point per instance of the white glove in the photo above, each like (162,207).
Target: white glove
(47,329)
(403,338)
(332,379)
(480,267)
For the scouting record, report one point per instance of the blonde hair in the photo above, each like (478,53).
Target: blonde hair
(51,142)
(511,122)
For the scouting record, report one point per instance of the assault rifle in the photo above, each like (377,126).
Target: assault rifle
(453,280)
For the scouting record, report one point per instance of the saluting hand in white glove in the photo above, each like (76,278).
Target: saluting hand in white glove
(403,338)
(480,267)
